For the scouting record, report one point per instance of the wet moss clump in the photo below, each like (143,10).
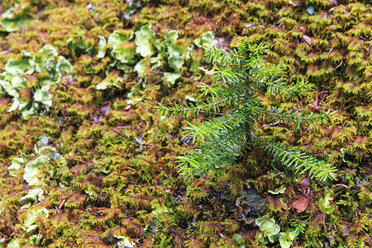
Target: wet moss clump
(98,168)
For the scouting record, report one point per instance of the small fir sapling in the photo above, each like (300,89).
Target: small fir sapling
(239,76)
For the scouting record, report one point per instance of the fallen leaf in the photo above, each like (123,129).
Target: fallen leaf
(301,204)
(294,3)
(346,229)
(304,185)
(307,39)
(274,203)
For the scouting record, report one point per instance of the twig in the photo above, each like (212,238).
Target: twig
(275,124)
(41,37)
(58,210)
(118,132)
(205,112)
(338,66)
(139,142)
(200,183)
(63,199)
(79,160)
(5,52)
(333,204)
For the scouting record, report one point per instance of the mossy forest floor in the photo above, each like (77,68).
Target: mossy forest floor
(87,161)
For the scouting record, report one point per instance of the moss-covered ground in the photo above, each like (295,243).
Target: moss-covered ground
(98,168)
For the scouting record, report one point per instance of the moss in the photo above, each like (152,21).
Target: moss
(107,188)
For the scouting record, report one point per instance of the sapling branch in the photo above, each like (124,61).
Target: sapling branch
(298,160)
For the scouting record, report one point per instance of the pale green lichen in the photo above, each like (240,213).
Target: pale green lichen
(15,17)
(27,80)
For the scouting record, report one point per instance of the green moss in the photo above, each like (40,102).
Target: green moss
(119,192)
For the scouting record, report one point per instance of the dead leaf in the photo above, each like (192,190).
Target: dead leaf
(300,204)
(346,229)
(274,203)
(304,186)
(333,2)
(294,3)
(305,183)
(307,39)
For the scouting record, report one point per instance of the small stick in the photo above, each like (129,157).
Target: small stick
(58,210)
(63,199)
(41,37)
(275,124)
(325,229)
(343,185)
(200,183)
(118,132)
(333,204)
(338,65)
(79,160)
(61,205)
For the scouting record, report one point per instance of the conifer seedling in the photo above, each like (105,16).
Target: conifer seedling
(233,106)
